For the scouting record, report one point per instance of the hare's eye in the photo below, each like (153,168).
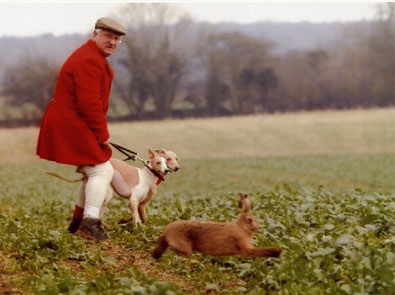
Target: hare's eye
(249,219)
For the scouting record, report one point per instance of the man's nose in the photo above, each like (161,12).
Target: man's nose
(114,41)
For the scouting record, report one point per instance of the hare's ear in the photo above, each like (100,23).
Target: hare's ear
(244,203)
(240,199)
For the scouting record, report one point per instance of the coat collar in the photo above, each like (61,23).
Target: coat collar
(92,44)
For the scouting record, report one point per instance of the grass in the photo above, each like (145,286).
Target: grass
(322,184)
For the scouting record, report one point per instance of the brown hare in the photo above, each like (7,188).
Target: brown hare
(215,238)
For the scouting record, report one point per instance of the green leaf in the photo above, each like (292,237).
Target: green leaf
(346,288)
(322,252)
(385,273)
(344,240)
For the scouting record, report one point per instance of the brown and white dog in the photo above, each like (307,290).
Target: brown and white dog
(136,184)
(139,185)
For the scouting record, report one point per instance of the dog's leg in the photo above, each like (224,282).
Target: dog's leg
(126,220)
(134,207)
(143,215)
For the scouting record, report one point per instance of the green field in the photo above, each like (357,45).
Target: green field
(322,184)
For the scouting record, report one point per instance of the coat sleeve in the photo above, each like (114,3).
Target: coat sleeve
(89,102)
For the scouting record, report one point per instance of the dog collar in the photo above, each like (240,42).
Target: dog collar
(156,173)
(160,180)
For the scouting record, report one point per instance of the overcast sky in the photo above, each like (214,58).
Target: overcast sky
(30,18)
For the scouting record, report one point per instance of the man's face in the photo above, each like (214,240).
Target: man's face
(106,41)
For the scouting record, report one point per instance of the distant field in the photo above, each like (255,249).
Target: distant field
(327,132)
(322,185)
(343,149)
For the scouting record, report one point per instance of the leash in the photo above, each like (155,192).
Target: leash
(131,155)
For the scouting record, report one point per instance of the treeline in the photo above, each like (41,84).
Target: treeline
(165,69)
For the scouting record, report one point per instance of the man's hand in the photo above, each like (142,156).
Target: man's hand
(106,143)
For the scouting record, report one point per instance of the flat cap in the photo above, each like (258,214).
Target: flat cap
(110,24)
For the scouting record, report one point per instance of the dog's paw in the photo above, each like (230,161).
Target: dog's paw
(137,223)
(123,221)
(106,226)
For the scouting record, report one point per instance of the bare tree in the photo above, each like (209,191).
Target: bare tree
(238,71)
(156,55)
(367,62)
(381,54)
(32,81)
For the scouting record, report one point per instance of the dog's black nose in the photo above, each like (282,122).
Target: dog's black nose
(176,169)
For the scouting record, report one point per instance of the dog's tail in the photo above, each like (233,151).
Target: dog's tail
(162,246)
(64,178)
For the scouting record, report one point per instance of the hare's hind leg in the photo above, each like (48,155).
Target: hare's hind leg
(181,245)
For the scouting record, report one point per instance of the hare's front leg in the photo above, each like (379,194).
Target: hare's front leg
(260,252)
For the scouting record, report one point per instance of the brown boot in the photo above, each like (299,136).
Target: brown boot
(74,225)
(94,227)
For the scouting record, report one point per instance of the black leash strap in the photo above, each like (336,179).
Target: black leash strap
(131,155)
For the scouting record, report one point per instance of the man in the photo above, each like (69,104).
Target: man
(74,127)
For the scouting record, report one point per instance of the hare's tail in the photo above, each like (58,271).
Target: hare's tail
(162,246)
(64,178)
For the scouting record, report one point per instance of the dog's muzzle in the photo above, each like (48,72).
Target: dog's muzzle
(173,170)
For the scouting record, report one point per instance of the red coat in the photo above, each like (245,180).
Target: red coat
(75,121)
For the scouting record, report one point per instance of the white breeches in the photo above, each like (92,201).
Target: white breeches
(96,189)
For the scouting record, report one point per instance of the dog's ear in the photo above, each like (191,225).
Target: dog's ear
(151,154)
(160,152)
